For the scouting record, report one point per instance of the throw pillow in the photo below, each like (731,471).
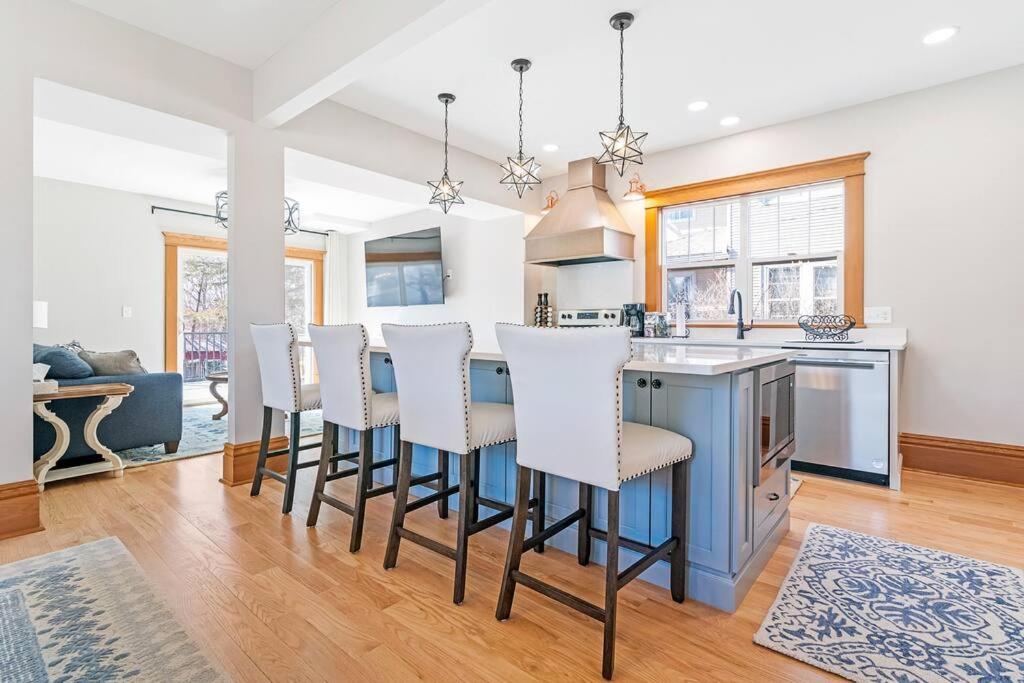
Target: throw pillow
(64,364)
(105,364)
(73,345)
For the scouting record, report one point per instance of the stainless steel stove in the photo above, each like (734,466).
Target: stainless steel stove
(590,317)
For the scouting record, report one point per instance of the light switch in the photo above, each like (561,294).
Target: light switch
(878,315)
(126,311)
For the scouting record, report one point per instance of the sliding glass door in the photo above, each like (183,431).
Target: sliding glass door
(203,311)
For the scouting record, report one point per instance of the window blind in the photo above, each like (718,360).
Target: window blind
(797,222)
(702,232)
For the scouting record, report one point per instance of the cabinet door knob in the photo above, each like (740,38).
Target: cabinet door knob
(641,383)
(773,496)
(500,370)
(656,384)
(387,360)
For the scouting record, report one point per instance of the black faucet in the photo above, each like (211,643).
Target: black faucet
(735,296)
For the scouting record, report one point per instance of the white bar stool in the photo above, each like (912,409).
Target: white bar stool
(346,392)
(280,378)
(568,408)
(432,373)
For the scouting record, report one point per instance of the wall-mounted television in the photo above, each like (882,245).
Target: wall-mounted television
(405,270)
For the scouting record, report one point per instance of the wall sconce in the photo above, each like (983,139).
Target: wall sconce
(636,189)
(550,200)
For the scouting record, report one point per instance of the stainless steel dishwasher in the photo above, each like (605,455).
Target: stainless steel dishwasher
(842,414)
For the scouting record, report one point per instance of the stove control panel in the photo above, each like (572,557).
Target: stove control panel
(592,317)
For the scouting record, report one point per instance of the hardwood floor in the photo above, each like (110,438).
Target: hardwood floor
(271,600)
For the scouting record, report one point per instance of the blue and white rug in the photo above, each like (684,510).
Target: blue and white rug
(202,435)
(88,614)
(870,609)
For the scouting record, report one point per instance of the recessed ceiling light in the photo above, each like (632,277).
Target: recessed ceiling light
(730,121)
(940,35)
(550,148)
(699,105)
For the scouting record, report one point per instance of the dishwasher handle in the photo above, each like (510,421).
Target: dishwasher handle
(823,363)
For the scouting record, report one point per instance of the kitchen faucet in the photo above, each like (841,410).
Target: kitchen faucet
(735,296)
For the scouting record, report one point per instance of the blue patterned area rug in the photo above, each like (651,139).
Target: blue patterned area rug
(202,435)
(88,614)
(870,609)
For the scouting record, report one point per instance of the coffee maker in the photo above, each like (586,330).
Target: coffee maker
(633,318)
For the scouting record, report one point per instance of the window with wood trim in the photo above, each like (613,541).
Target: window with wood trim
(789,240)
(196,351)
(783,251)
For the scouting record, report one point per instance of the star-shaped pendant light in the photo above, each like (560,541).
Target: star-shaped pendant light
(521,171)
(622,146)
(446,190)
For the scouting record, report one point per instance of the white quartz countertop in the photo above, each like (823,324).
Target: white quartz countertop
(864,339)
(671,358)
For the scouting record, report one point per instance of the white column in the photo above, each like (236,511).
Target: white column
(15,243)
(255,267)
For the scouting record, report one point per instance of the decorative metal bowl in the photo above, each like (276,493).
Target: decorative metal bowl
(826,327)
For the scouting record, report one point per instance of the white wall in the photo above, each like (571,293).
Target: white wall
(96,250)
(16,238)
(943,234)
(486,258)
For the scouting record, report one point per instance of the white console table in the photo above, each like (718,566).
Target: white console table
(112,395)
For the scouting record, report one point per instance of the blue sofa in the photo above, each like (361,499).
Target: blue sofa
(150,415)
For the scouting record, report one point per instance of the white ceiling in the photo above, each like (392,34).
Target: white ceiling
(767,62)
(80,155)
(245,32)
(86,138)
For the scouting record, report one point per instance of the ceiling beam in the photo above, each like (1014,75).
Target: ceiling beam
(347,43)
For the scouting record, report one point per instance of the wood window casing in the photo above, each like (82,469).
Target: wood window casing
(174,241)
(849,169)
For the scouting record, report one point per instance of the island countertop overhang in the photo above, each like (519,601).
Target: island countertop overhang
(677,359)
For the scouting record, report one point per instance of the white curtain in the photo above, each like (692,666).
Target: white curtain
(335,289)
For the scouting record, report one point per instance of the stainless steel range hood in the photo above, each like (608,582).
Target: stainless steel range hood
(584,226)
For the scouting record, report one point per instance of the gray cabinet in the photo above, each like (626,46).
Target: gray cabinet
(699,408)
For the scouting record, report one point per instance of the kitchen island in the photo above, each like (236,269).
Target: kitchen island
(704,393)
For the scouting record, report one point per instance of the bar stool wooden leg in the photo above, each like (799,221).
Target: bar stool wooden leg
(611,586)
(677,561)
(293,463)
(331,433)
(540,493)
(475,512)
(261,460)
(583,526)
(364,480)
(327,450)
(396,449)
(467,502)
(442,467)
(401,501)
(515,544)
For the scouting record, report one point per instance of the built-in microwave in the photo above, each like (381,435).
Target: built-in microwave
(774,419)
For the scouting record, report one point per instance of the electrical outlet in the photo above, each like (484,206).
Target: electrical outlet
(126,311)
(878,315)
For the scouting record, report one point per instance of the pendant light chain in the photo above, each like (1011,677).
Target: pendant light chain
(446,139)
(622,76)
(520,114)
